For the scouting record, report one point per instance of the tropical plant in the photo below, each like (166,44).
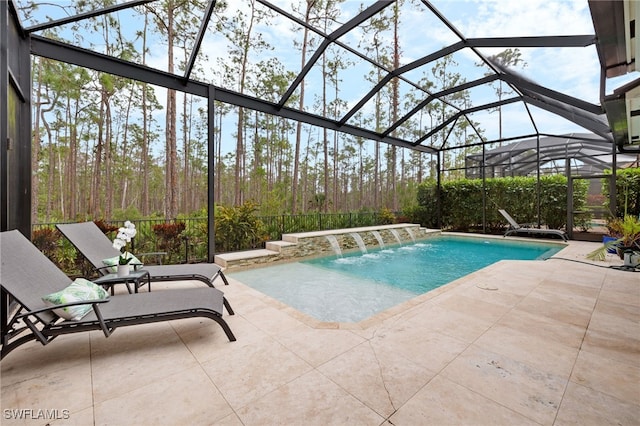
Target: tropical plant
(238,228)
(169,237)
(627,233)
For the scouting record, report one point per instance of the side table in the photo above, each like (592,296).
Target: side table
(137,278)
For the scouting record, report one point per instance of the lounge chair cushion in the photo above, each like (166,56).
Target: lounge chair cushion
(112,262)
(77,291)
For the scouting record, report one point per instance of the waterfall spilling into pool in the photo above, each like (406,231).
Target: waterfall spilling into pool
(378,237)
(334,244)
(396,235)
(359,241)
(355,285)
(411,235)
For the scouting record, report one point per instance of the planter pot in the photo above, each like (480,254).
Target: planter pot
(123,270)
(632,259)
(621,251)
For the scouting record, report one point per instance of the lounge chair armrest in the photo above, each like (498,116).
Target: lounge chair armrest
(103,269)
(64,305)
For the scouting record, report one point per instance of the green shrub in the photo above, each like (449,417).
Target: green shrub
(462,205)
(387,217)
(238,228)
(627,192)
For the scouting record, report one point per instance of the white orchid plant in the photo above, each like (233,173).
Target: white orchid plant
(125,234)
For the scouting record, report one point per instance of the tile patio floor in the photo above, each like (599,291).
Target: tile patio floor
(518,343)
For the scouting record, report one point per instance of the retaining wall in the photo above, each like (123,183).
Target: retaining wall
(325,243)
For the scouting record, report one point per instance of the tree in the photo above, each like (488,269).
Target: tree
(240,32)
(506,58)
(171,18)
(309,6)
(372,44)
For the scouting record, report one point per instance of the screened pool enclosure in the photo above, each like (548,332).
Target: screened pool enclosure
(473,91)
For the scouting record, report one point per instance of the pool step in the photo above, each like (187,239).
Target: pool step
(273,252)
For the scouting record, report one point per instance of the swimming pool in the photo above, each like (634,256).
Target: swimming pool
(355,286)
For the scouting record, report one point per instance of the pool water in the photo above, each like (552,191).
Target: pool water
(355,286)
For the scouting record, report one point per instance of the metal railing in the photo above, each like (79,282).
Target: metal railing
(193,241)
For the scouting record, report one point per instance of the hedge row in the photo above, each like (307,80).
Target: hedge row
(627,192)
(462,202)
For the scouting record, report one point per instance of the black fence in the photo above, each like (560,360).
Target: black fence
(287,224)
(190,246)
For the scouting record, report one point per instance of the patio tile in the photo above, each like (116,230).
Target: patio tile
(557,309)
(443,402)
(493,291)
(187,397)
(377,375)
(462,327)
(575,290)
(534,393)
(575,274)
(208,343)
(485,311)
(584,406)
(430,349)
(620,304)
(253,371)
(230,420)
(140,355)
(608,376)
(459,355)
(575,298)
(81,418)
(317,346)
(621,325)
(621,282)
(505,282)
(613,346)
(63,390)
(311,399)
(540,353)
(544,327)
(34,359)
(272,321)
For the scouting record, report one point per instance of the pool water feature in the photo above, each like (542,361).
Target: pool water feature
(355,286)
(378,238)
(358,239)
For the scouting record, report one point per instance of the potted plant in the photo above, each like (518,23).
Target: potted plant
(626,232)
(125,234)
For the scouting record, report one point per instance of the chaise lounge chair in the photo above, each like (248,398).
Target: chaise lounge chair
(95,246)
(515,228)
(28,276)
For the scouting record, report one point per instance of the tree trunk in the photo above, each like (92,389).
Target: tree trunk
(296,158)
(171,156)
(35,153)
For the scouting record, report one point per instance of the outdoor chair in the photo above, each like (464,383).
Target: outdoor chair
(28,278)
(95,246)
(515,228)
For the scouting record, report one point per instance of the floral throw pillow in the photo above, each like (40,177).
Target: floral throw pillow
(112,263)
(77,291)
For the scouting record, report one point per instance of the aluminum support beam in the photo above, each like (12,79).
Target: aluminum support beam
(41,46)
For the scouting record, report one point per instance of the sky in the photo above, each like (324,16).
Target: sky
(572,71)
